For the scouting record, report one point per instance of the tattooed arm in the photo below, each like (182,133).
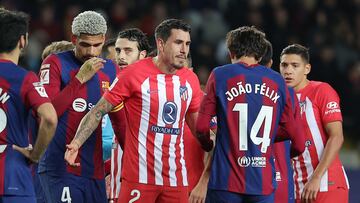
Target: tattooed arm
(87,126)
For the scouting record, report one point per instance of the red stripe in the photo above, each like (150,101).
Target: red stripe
(3,138)
(267,172)
(237,174)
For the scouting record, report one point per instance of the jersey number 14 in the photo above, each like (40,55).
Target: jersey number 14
(264,117)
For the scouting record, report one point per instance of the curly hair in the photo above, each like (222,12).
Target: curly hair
(246,41)
(89,22)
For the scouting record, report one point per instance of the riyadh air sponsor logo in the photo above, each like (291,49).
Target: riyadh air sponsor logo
(258,162)
(79,105)
(152,91)
(332,107)
(169,113)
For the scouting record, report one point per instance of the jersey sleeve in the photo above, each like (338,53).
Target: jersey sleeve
(290,125)
(33,91)
(120,89)
(50,76)
(197,94)
(206,113)
(208,104)
(329,104)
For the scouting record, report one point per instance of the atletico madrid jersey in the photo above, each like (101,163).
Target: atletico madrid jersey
(20,91)
(250,102)
(57,74)
(319,105)
(155,106)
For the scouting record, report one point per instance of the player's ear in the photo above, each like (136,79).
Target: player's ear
(307,68)
(160,44)
(143,54)
(73,39)
(22,41)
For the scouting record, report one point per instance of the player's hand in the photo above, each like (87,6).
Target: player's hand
(71,154)
(108,186)
(27,152)
(310,191)
(198,194)
(89,68)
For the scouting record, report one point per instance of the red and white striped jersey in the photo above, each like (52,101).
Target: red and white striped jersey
(155,106)
(319,105)
(115,171)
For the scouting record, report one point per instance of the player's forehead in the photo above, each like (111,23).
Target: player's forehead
(126,43)
(91,39)
(178,34)
(291,58)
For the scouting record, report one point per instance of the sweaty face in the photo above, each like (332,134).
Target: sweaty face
(127,52)
(176,48)
(294,70)
(88,46)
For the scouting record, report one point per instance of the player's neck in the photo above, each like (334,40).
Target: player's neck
(302,85)
(245,59)
(159,62)
(11,56)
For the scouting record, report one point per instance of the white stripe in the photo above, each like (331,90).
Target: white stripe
(316,135)
(172,149)
(346,178)
(112,168)
(144,123)
(298,172)
(182,160)
(118,175)
(158,165)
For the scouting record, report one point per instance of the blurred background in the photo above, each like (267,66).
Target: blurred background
(330,28)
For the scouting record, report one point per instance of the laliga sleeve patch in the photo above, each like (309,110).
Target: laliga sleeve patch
(40,89)
(45,74)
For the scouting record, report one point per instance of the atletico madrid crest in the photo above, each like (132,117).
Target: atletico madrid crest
(184,93)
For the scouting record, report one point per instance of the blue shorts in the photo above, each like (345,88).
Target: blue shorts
(222,196)
(17,199)
(70,188)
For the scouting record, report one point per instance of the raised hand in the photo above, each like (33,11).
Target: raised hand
(89,68)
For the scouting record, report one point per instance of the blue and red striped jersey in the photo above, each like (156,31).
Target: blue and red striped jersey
(20,91)
(250,102)
(57,74)
(284,172)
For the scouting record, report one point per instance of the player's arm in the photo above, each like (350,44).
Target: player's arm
(198,194)
(331,150)
(289,125)
(50,76)
(35,97)
(117,117)
(87,126)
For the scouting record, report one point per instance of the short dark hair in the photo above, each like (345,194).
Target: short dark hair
(109,43)
(246,41)
(297,49)
(266,58)
(163,30)
(136,35)
(13,25)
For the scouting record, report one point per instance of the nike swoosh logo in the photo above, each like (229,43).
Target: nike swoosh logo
(152,91)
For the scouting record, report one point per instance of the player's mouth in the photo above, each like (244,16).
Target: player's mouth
(181,57)
(288,80)
(122,64)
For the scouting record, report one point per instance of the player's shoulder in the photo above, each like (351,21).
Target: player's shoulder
(320,87)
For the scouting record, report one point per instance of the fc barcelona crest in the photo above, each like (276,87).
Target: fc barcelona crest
(184,94)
